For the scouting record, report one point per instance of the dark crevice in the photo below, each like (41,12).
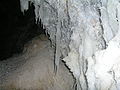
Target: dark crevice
(16,28)
(99,11)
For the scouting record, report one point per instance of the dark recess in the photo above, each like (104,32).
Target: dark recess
(16,29)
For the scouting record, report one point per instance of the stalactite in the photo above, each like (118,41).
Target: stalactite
(85,33)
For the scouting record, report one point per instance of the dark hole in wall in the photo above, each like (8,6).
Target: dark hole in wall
(16,29)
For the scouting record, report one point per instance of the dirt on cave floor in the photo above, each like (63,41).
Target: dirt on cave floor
(34,69)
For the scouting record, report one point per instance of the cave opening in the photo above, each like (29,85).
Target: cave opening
(17,28)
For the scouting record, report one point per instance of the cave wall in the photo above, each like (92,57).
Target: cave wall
(85,34)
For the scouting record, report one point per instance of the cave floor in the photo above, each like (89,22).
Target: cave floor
(34,69)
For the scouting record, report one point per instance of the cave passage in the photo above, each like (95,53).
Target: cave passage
(16,28)
(85,34)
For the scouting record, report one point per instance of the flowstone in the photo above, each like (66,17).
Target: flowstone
(85,34)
